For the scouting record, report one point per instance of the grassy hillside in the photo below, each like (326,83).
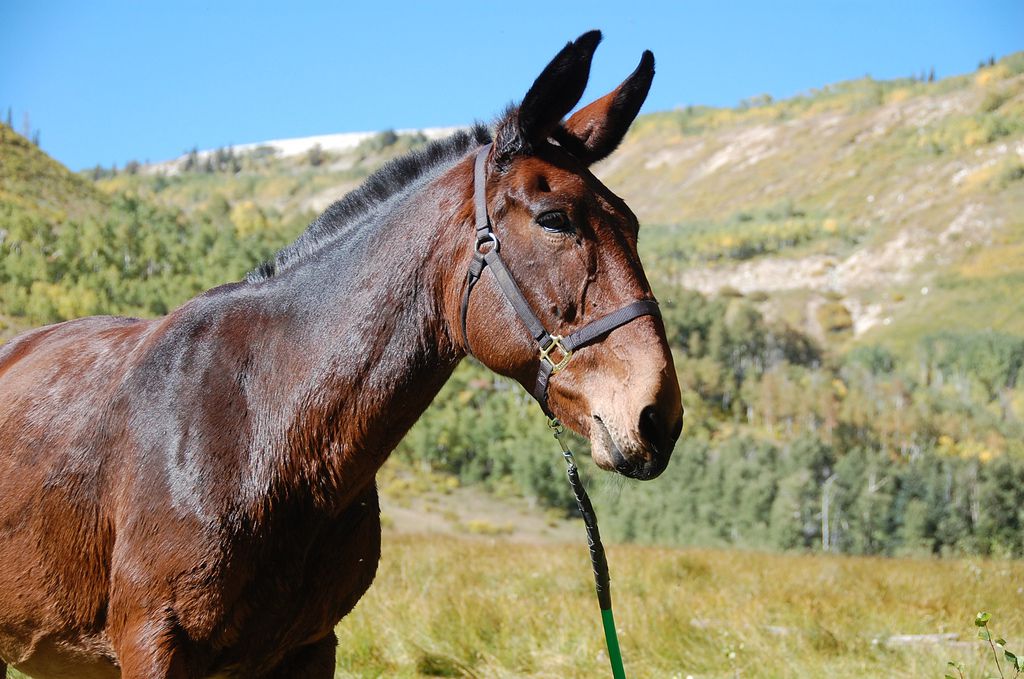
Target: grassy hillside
(862,194)
(259,186)
(33,182)
(36,190)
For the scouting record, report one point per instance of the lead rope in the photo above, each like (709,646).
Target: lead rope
(597,558)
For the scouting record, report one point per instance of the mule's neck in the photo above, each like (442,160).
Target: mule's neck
(362,340)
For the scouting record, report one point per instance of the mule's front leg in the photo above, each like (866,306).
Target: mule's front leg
(315,661)
(150,648)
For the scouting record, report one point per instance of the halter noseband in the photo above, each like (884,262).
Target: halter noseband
(555,350)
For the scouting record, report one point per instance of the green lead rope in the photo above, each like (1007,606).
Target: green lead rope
(597,557)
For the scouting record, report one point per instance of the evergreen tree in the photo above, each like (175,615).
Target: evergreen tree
(315,155)
(191,161)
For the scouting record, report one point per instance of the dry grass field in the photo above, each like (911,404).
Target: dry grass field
(471,585)
(452,606)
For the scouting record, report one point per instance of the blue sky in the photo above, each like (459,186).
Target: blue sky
(106,82)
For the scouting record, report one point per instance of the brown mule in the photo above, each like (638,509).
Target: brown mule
(194,496)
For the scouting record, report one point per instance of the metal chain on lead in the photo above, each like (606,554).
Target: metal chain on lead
(558,429)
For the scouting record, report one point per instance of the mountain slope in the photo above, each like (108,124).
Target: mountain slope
(36,194)
(867,192)
(867,211)
(31,181)
(68,249)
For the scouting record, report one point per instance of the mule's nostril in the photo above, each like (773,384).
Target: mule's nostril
(650,426)
(657,431)
(677,429)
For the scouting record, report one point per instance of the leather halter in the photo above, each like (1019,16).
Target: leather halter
(555,350)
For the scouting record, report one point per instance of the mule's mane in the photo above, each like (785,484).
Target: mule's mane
(386,187)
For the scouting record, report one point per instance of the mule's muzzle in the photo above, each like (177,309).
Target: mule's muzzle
(649,469)
(642,459)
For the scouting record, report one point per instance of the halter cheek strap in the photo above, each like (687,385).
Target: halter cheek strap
(555,350)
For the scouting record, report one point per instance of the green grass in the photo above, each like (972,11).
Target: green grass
(450,607)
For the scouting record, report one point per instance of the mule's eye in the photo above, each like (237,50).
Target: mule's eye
(555,221)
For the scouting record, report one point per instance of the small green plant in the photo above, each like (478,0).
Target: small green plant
(1014,663)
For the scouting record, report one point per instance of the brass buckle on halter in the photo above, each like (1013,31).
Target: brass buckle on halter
(545,354)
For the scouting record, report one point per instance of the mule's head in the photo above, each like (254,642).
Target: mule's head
(571,245)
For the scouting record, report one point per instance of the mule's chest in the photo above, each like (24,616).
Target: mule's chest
(299,591)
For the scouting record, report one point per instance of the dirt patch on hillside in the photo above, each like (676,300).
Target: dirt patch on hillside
(744,147)
(860,275)
(449,509)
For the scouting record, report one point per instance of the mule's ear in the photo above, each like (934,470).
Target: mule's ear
(595,130)
(555,91)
